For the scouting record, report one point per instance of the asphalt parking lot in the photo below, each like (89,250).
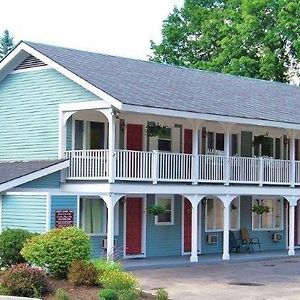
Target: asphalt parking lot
(269,279)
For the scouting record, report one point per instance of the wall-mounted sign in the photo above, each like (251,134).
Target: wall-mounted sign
(64,218)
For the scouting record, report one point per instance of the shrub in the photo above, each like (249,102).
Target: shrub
(23,280)
(11,243)
(57,249)
(118,280)
(161,294)
(61,294)
(108,294)
(103,265)
(82,273)
(4,290)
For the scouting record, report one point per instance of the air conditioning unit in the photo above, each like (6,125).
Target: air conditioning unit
(212,239)
(277,237)
(104,244)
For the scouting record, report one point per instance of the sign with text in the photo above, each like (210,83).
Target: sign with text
(64,218)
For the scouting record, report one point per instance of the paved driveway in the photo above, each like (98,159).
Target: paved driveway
(270,279)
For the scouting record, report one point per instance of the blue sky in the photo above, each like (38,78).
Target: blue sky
(118,27)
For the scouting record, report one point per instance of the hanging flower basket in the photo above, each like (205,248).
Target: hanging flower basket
(156,210)
(155,129)
(260,209)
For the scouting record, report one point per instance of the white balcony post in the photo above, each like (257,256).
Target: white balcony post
(195,152)
(61,134)
(155,164)
(111,144)
(292,159)
(261,171)
(227,153)
(194,199)
(291,229)
(226,200)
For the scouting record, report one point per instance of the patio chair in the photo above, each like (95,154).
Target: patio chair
(251,241)
(237,244)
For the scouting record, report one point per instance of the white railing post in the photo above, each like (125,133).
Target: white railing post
(195,152)
(292,158)
(155,166)
(261,171)
(227,150)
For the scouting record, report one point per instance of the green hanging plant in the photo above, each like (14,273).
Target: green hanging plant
(156,210)
(155,129)
(260,209)
(260,139)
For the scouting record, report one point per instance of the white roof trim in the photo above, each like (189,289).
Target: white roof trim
(96,91)
(206,117)
(34,175)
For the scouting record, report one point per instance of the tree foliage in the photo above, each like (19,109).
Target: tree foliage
(253,38)
(6,43)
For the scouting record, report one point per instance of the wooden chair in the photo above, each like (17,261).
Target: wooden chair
(237,244)
(251,241)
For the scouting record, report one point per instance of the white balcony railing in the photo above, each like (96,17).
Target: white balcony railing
(158,166)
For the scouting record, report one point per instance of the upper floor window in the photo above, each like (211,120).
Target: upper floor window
(273,220)
(214,215)
(165,141)
(269,147)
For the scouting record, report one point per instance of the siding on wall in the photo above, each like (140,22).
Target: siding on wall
(264,236)
(164,240)
(69,134)
(49,181)
(63,202)
(29,112)
(25,212)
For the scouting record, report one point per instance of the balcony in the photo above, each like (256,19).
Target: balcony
(158,167)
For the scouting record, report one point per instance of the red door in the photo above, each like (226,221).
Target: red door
(134,137)
(187,225)
(134,226)
(188,145)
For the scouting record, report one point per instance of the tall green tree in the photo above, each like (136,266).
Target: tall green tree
(6,43)
(253,38)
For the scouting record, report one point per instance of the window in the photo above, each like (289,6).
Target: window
(214,215)
(234,144)
(79,134)
(93,216)
(166,218)
(215,141)
(271,220)
(165,141)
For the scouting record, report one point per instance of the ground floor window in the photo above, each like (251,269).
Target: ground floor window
(214,215)
(166,218)
(93,216)
(273,220)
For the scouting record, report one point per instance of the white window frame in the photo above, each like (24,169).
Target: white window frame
(163,197)
(273,221)
(116,218)
(221,230)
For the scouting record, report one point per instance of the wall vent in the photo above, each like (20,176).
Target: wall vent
(30,62)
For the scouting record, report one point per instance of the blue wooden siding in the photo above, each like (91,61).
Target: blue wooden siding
(49,181)
(264,236)
(63,202)
(69,134)
(29,112)
(25,212)
(164,240)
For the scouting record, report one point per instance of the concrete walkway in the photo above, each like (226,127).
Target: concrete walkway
(265,279)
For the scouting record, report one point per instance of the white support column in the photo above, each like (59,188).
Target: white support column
(110,201)
(61,135)
(195,152)
(195,200)
(110,115)
(226,199)
(291,229)
(292,158)
(227,154)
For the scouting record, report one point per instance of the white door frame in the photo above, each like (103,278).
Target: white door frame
(144,222)
(199,227)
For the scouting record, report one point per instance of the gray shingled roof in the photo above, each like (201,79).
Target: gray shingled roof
(16,169)
(157,85)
